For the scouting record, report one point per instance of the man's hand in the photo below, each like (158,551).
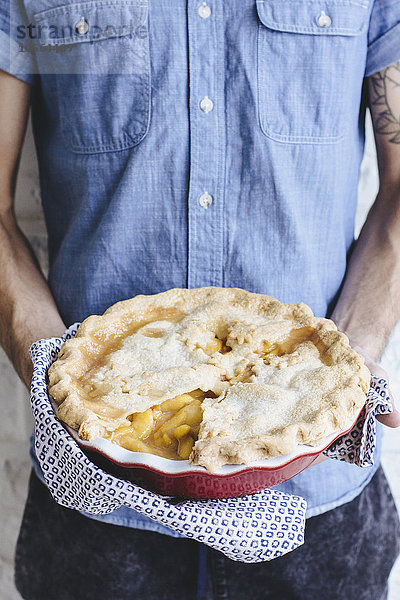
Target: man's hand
(27,308)
(392,419)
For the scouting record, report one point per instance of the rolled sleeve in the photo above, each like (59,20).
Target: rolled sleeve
(15,57)
(384,36)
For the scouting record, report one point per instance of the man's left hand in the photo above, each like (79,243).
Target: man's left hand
(392,419)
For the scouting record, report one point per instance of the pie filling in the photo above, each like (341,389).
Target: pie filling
(169,429)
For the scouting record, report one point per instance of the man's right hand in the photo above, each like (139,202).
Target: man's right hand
(27,309)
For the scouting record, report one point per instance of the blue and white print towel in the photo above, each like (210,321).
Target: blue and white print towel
(251,529)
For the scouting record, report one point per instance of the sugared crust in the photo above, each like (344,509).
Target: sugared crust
(72,360)
(96,333)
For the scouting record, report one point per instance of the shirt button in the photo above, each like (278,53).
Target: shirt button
(82,26)
(206,104)
(205,200)
(204,10)
(324,20)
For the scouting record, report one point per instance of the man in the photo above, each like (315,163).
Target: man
(204,143)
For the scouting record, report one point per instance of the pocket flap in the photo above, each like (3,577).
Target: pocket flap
(89,21)
(328,17)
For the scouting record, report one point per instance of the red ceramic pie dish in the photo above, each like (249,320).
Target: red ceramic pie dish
(180,478)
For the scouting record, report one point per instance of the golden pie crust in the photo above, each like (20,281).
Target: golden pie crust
(273,375)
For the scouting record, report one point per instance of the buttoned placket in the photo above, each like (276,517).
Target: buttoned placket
(207,143)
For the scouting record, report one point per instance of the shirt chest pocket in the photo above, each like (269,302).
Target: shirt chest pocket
(306,63)
(94,58)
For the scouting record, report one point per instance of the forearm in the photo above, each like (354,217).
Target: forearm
(368,307)
(27,309)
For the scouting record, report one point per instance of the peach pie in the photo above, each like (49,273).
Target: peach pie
(212,375)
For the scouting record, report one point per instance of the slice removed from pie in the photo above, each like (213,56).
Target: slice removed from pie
(213,375)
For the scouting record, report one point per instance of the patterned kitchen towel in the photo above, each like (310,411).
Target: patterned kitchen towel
(359,444)
(250,529)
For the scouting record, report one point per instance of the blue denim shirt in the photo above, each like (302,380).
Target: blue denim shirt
(189,143)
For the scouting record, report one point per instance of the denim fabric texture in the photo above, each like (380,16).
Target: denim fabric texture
(145,187)
(351,558)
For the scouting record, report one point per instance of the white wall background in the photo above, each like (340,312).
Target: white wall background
(16,421)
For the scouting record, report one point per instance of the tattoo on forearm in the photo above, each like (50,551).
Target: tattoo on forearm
(385,95)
